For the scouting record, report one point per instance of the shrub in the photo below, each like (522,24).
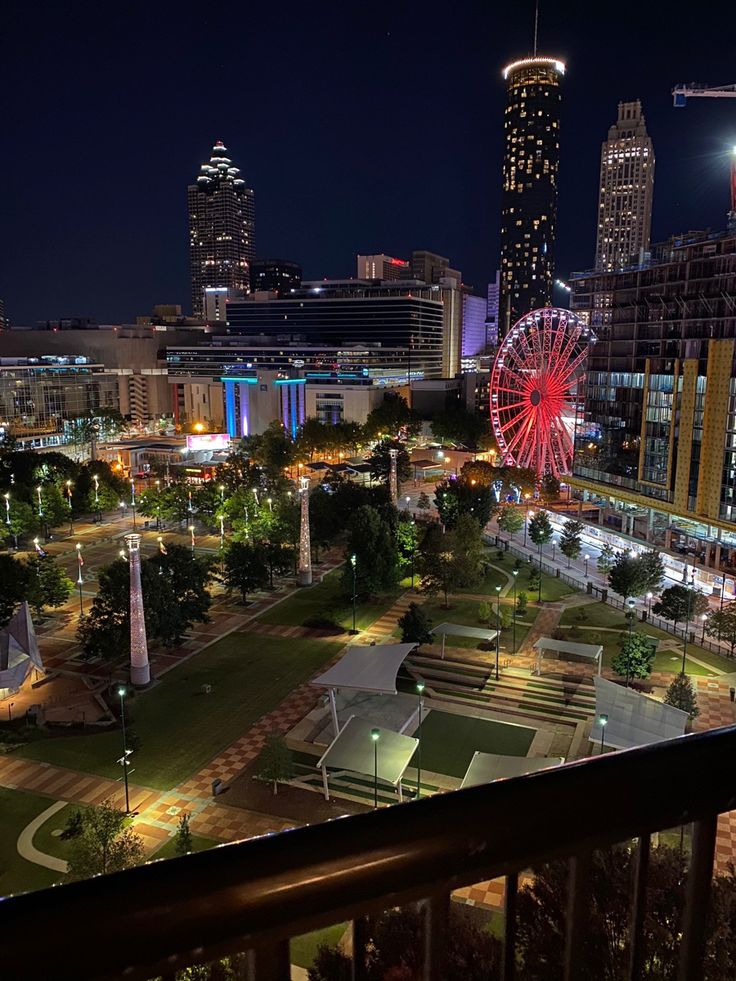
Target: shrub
(521,601)
(484,612)
(681,694)
(559,634)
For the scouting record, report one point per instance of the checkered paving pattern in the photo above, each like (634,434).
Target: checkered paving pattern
(489,895)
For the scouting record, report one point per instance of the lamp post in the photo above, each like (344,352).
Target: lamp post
(80,580)
(514,573)
(587,559)
(158,505)
(413,549)
(526,526)
(132,499)
(269,501)
(688,610)
(353,561)
(124,760)
(122,510)
(420,689)
(7,509)
(650,597)
(631,603)
(375,735)
(498,625)
(71,512)
(191,532)
(40,503)
(703,618)
(602,722)
(97,497)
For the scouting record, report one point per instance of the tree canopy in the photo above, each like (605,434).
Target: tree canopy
(371,540)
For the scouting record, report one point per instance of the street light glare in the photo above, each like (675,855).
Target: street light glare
(121,692)
(375,734)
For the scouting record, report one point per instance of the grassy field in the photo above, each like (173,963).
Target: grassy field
(552,587)
(328,599)
(199,844)
(449,741)
(52,844)
(16,875)
(180,728)
(304,949)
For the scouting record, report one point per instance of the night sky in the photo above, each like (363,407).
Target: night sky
(361,127)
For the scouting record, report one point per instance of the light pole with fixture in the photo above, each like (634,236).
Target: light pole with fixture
(514,573)
(375,736)
(132,499)
(587,559)
(602,722)
(650,596)
(80,578)
(420,690)
(191,532)
(498,625)
(631,603)
(124,760)
(71,512)
(353,561)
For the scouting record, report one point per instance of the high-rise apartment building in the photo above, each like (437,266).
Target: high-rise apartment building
(529,202)
(383,267)
(655,453)
(275,276)
(221,228)
(626,190)
(434,269)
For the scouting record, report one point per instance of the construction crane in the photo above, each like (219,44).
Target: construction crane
(696,90)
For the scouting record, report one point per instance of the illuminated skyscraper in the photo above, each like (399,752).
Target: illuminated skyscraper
(529,203)
(625,191)
(221,228)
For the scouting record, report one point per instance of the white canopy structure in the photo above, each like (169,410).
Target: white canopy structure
(487,767)
(354,748)
(586,652)
(371,669)
(460,630)
(19,652)
(633,719)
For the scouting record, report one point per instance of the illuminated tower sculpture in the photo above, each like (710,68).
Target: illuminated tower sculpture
(304,576)
(140,670)
(393,482)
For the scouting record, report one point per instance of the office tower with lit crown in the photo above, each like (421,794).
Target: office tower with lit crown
(625,191)
(221,228)
(529,202)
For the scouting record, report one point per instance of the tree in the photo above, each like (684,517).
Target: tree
(276,761)
(407,540)
(23,520)
(322,526)
(380,461)
(245,568)
(540,529)
(521,601)
(510,520)
(681,604)
(392,418)
(14,586)
(188,579)
(466,545)
(371,541)
(480,471)
(174,503)
(636,657)
(423,502)
(652,570)
(722,624)
(606,559)
(460,427)
(458,496)
(571,539)
(550,487)
(627,576)
(106,843)
(183,843)
(681,694)
(48,584)
(416,626)
(273,451)
(438,564)
(237,474)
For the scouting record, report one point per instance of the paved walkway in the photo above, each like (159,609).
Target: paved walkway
(29,852)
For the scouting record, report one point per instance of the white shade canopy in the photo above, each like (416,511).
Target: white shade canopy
(371,669)
(633,719)
(590,651)
(487,767)
(19,652)
(355,749)
(460,630)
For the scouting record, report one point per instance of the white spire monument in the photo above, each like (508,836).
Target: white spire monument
(140,669)
(304,576)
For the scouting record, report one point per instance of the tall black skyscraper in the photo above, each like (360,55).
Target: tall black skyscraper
(529,203)
(221,228)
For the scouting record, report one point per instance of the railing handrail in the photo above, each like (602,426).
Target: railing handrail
(159,917)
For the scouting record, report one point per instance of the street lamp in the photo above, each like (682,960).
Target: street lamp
(97,496)
(375,736)
(124,760)
(40,504)
(269,501)
(80,580)
(71,512)
(413,548)
(353,561)
(498,625)
(514,573)
(122,510)
(650,597)
(132,499)
(631,603)
(703,617)
(587,559)
(420,689)
(602,722)
(191,532)
(688,611)
(158,505)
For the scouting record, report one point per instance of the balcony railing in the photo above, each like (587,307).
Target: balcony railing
(154,920)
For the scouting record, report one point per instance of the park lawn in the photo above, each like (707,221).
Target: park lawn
(180,728)
(199,844)
(667,661)
(18,809)
(448,741)
(51,844)
(328,599)
(487,587)
(596,615)
(465,611)
(552,587)
(303,949)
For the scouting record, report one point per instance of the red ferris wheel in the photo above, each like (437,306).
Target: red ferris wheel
(536,384)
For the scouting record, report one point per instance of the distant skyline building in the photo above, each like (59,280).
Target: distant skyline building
(434,269)
(275,276)
(383,267)
(221,228)
(626,191)
(492,304)
(529,201)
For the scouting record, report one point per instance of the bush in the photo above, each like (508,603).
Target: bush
(559,634)
(521,601)
(73,827)
(500,555)
(416,627)
(582,615)
(484,612)
(681,694)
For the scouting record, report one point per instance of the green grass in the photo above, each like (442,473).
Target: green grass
(552,587)
(52,844)
(304,949)
(449,741)
(328,599)
(596,615)
(199,844)
(180,728)
(16,874)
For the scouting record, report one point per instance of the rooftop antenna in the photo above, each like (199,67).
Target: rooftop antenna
(536,25)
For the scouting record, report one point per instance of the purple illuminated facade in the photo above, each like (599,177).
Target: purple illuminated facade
(474,325)
(254,398)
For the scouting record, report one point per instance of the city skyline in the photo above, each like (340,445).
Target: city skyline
(333,178)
